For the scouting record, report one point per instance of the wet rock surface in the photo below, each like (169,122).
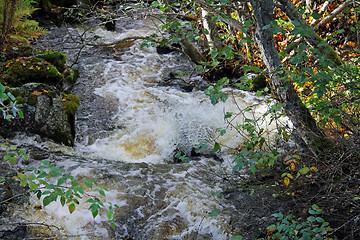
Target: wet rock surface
(44,114)
(11,194)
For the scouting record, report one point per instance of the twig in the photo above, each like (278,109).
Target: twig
(332,15)
(7,200)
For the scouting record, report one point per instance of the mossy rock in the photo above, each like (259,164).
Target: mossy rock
(71,75)
(30,69)
(16,52)
(71,103)
(44,114)
(58,59)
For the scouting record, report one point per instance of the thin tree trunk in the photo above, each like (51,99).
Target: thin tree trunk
(282,87)
(9,9)
(186,45)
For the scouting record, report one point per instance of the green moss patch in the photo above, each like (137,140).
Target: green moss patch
(57,59)
(24,70)
(71,103)
(71,75)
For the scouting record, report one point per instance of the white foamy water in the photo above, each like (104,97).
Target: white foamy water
(156,119)
(128,128)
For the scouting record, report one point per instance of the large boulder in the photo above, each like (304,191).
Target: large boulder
(44,114)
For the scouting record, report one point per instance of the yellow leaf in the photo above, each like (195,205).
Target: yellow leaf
(314,169)
(353,55)
(351,44)
(292,167)
(286,181)
(289,176)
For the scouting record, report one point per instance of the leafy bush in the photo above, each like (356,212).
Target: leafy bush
(286,227)
(67,189)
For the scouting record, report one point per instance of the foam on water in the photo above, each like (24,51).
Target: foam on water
(126,148)
(156,119)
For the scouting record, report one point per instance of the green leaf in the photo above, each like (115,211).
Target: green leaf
(223,132)
(259,93)
(155,4)
(31,177)
(304,170)
(46,162)
(69,193)
(67,176)
(62,200)
(23,182)
(55,174)
(252,168)
(42,182)
(58,191)
(102,193)
(81,190)
(214,214)
(61,181)
(95,213)
(214,54)
(88,184)
(33,186)
(279,216)
(237,237)
(74,183)
(311,219)
(47,200)
(228,115)
(216,147)
(38,194)
(12,161)
(71,208)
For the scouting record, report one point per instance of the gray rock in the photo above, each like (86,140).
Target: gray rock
(44,114)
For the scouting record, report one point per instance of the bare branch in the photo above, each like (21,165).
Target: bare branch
(332,15)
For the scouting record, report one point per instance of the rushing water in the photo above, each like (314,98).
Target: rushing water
(127,129)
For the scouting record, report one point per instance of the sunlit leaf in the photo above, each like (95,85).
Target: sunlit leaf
(71,208)
(286,181)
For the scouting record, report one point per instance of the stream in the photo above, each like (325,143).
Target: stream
(128,128)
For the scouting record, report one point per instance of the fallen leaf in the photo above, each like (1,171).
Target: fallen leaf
(36,93)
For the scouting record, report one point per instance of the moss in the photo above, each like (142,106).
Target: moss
(14,91)
(57,59)
(19,99)
(71,76)
(16,52)
(31,99)
(24,70)
(71,103)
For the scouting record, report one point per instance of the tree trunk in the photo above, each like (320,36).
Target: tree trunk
(299,115)
(186,45)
